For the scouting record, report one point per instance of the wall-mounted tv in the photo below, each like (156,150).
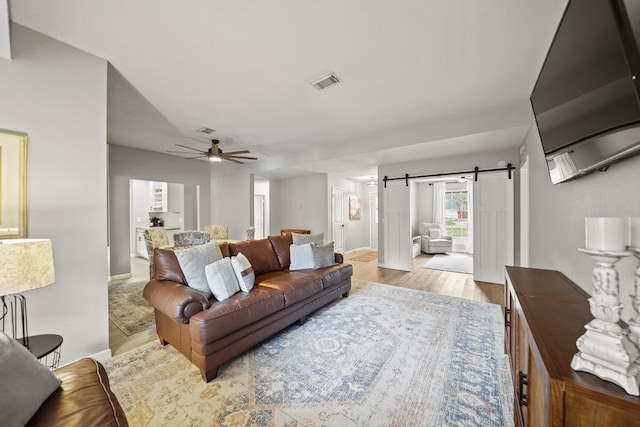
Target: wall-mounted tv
(586,100)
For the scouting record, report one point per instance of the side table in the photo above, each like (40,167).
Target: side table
(46,348)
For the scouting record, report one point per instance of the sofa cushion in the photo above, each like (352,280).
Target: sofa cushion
(192,262)
(222,279)
(25,383)
(260,254)
(281,245)
(331,275)
(295,286)
(167,266)
(242,309)
(301,239)
(322,255)
(301,257)
(243,271)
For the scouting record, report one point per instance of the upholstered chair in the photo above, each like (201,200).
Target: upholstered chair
(433,240)
(251,233)
(191,238)
(154,238)
(217,232)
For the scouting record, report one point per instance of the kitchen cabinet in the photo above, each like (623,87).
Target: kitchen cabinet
(166,197)
(545,313)
(141,246)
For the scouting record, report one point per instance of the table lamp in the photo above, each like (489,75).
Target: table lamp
(25,264)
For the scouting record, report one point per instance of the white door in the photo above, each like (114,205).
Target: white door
(397,227)
(373,219)
(493,226)
(258,215)
(337,218)
(524,213)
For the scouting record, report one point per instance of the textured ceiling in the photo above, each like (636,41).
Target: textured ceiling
(418,77)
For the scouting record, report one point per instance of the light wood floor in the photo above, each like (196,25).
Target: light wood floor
(435,281)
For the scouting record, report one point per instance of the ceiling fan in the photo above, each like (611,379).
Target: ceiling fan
(215,153)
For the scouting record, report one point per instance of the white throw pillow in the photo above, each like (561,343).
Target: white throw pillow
(301,257)
(25,383)
(192,262)
(301,239)
(222,279)
(244,272)
(435,233)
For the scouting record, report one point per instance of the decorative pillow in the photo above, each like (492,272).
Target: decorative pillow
(25,385)
(301,239)
(322,255)
(301,257)
(222,279)
(192,262)
(435,233)
(244,272)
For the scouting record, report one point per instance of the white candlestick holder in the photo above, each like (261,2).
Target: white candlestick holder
(634,323)
(605,349)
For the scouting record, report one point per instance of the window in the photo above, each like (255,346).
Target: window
(456,210)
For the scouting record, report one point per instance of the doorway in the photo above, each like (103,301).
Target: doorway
(258,215)
(373,219)
(337,218)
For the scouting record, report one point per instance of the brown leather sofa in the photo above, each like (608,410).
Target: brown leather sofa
(211,332)
(83,399)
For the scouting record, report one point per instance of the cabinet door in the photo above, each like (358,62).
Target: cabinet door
(521,366)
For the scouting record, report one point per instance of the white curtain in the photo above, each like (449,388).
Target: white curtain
(470,216)
(438,203)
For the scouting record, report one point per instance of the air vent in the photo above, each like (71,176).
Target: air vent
(206,130)
(325,81)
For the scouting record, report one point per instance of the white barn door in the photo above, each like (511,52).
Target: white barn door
(493,232)
(397,227)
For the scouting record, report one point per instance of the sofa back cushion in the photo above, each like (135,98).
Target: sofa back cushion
(281,246)
(167,266)
(260,254)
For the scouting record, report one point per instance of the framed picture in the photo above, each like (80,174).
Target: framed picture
(13,185)
(354,207)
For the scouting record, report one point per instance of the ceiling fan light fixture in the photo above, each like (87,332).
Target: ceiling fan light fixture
(214,158)
(371,183)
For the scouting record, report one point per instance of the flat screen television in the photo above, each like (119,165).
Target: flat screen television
(586,100)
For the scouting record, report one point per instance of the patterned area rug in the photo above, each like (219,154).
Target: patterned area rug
(366,256)
(128,309)
(451,262)
(383,356)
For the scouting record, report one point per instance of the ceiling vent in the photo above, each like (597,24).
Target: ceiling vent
(206,130)
(325,81)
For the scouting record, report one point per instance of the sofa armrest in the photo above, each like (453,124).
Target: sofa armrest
(338,258)
(84,398)
(174,300)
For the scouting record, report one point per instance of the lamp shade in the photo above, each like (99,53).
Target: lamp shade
(25,264)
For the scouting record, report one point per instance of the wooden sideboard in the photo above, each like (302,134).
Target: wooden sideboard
(294,230)
(545,313)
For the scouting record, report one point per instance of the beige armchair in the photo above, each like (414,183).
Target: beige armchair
(217,232)
(154,238)
(433,240)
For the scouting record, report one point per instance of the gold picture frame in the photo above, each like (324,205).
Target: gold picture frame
(13,185)
(354,208)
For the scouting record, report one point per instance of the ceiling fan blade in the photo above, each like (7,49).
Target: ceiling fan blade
(196,157)
(240,157)
(189,148)
(233,160)
(178,152)
(238,152)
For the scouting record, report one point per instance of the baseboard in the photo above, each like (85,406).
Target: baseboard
(102,356)
(119,277)
(364,248)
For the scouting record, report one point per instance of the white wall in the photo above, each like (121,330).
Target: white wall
(300,202)
(557,216)
(232,201)
(58,96)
